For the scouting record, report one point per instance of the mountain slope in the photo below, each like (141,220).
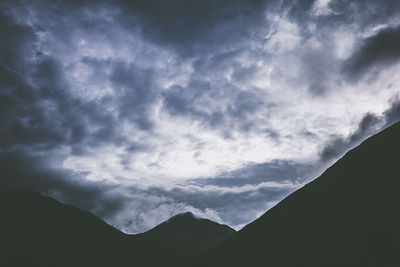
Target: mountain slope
(39,231)
(188,234)
(349,216)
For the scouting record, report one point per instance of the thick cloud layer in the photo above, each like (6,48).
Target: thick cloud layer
(377,51)
(138,110)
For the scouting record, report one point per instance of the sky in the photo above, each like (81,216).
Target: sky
(140,110)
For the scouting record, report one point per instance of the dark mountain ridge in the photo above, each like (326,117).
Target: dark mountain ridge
(349,216)
(39,231)
(184,229)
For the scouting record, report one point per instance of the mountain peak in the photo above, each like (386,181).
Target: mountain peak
(187,214)
(186,231)
(183,216)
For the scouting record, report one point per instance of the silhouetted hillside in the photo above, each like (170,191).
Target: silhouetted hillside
(188,234)
(349,216)
(39,231)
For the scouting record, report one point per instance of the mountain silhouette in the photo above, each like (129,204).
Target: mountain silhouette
(349,216)
(39,231)
(188,234)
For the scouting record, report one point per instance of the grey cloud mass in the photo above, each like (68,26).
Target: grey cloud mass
(392,115)
(138,110)
(377,52)
(193,27)
(338,146)
(369,125)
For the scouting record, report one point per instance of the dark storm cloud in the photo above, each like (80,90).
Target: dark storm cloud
(198,102)
(187,26)
(21,117)
(42,112)
(38,107)
(17,44)
(137,94)
(194,26)
(376,52)
(134,88)
(214,100)
(339,145)
(193,102)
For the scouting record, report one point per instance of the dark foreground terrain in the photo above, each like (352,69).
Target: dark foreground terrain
(349,216)
(39,231)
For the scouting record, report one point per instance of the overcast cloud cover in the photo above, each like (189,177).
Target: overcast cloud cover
(138,110)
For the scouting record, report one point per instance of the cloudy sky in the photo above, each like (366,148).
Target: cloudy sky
(139,110)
